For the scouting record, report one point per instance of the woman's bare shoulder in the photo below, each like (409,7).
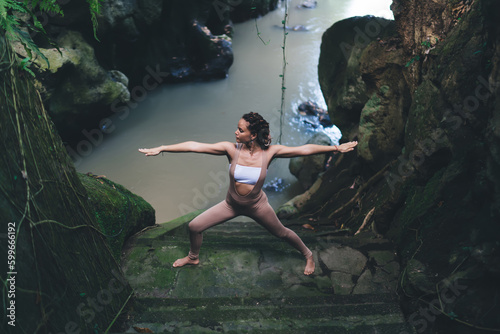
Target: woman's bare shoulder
(229,147)
(275,149)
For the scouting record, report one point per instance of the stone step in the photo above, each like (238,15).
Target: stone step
(252,233)
(274,326)
(249,281)
(338,314)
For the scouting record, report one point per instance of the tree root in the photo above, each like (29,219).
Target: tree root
(361,189)
(365,221)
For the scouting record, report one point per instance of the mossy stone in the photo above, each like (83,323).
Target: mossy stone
(119,212)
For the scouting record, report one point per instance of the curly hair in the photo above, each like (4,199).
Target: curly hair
(259,126)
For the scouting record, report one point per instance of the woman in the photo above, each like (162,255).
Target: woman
(249,159)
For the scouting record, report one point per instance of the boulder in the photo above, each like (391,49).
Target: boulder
(339,73)
(116,18)
(119,213)
(314,115)
(361,77)
(78,90)
(307,168)
(343,259)
(215,52)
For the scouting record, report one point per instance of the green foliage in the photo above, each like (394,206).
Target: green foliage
(411,61)
(18,20)
(24,65)
(16,30)
(46,6)
(426,44)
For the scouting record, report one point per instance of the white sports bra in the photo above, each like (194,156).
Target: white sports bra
(245,174)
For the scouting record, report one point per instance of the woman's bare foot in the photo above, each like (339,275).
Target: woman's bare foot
(185,260)
(310,265)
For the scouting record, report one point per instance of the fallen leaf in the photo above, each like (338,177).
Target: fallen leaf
(308,226)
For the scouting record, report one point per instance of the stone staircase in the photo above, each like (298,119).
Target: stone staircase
(251,282)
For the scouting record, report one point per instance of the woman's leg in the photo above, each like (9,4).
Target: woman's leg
(264,214)
(213,216)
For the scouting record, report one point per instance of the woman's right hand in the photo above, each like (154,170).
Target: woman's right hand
(347,147)
(150,151)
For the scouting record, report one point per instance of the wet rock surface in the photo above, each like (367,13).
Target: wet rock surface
(250,281)
(307,168)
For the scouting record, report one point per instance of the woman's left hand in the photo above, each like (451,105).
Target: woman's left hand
(150,151)
(347,147)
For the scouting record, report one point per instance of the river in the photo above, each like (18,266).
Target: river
(175,184)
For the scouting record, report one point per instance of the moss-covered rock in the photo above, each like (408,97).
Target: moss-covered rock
(77,89)
(339,72)
(360,73)
(119,213)
(382,121)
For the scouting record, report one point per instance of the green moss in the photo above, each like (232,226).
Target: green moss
(366,124)
(372,106)
(119,213)
(57,59)
(384,90)
(419,200)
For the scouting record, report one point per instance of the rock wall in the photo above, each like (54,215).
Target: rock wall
(423,102)
(59,274)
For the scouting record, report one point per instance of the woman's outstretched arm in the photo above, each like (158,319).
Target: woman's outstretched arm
(221,148)
(281,151)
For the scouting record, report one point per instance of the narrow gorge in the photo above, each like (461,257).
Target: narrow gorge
(405,229)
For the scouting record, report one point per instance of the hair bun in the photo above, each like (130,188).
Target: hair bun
(259,126)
